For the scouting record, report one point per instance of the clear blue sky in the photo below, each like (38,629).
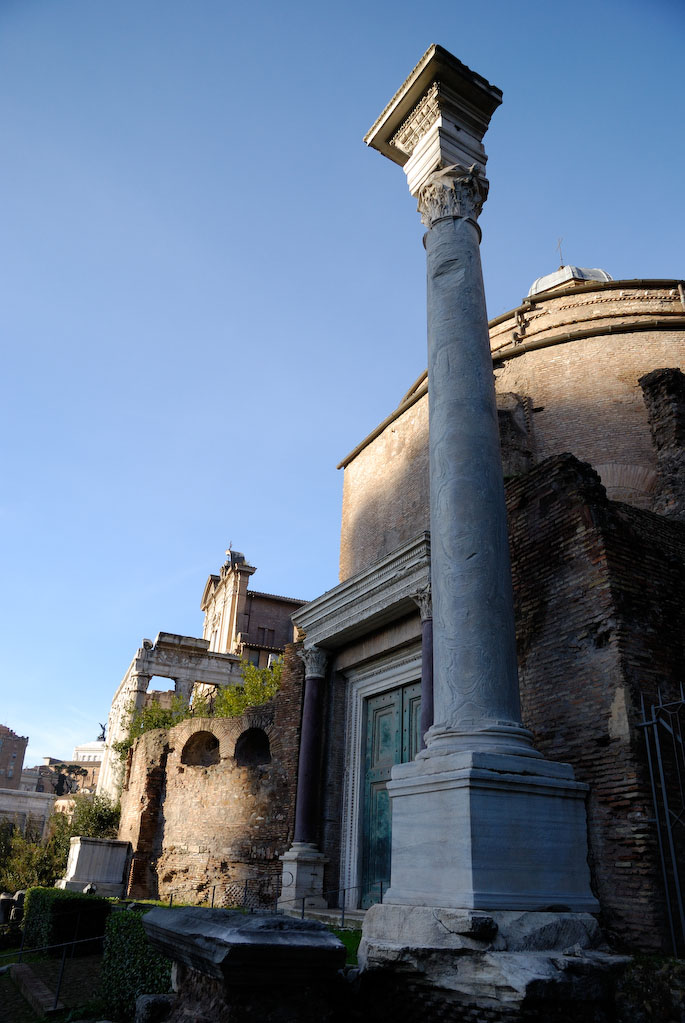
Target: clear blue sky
(212,290)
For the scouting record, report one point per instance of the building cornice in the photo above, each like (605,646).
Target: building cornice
(369,599)
(672,321)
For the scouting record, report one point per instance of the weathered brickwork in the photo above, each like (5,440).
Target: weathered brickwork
(567,367)
(202,807)
(664,395)
(12,749)
(600,607)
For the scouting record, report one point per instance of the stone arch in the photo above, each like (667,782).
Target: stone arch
(252,748)
(201,750)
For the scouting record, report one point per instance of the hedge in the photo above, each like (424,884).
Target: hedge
(130,966)
(53,916)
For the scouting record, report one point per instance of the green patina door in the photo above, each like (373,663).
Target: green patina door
(392,736)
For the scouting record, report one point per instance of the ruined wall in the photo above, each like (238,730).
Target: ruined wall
(12,749)
(201,808)
(600,609)
(664,395)
(581,394)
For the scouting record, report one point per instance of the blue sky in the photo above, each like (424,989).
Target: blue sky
(212,290)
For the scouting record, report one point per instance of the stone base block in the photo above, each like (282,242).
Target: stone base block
(302,878)
(490,962)
(489,831)
(469,930)
(106,891)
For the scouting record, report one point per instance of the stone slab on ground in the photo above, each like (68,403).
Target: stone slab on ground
(36,993)
(245,950)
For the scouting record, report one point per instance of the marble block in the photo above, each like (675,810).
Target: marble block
(99,861)
(302,878)
(488,831)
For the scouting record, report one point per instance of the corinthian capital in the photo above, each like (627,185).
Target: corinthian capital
(315,660)
(455,191)
(423,600)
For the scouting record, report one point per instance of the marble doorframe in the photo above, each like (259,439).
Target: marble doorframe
(390,672)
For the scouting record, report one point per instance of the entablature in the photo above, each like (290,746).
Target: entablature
(373,597)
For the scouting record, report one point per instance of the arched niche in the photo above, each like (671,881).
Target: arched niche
(201,750)
(252,748)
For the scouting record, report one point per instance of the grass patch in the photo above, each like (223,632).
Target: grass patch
(350,940)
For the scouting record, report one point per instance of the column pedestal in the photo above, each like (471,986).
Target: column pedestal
(488,832)
(302,878)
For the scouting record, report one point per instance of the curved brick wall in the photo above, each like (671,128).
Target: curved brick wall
(567,368)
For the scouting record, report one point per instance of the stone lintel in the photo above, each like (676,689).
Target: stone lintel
(437,118)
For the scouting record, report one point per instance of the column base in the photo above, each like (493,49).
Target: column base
(484,831)
(489,963)
(302,878)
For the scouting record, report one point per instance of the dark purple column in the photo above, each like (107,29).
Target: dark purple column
(423,600)
(310,745)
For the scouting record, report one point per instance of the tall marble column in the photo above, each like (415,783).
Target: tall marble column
(303,864)
(423,601)
(474,645)
(479,819)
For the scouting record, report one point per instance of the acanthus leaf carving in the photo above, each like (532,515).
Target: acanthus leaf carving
(422,598)
(315,660)
(454,191)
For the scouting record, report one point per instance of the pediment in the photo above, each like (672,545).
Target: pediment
(208,592)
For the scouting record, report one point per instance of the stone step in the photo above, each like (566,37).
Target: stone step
(32,988)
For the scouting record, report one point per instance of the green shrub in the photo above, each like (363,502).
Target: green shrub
(53,916)
(130,966)
(26,862)
(92,817)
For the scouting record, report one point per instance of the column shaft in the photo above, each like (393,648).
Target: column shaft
(426,678)
(475,680)
(309,761)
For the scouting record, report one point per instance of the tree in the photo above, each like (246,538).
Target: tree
(92,817)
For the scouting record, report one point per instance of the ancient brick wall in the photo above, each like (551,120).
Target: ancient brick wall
(202,805)
(664,395)
(12,749)
(600,609)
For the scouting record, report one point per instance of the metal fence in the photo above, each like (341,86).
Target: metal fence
(663,729)
(266,895)
(68,949)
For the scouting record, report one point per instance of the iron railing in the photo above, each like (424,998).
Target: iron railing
(663,723)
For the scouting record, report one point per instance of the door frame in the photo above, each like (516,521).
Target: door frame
(389,672)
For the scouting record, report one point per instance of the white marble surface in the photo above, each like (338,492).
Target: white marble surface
(478,831)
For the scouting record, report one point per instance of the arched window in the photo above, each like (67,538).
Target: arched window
(201,750)
(252,748)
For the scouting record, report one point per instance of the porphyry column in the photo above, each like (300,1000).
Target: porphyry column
(303,863)
(479,819)
(423,601)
